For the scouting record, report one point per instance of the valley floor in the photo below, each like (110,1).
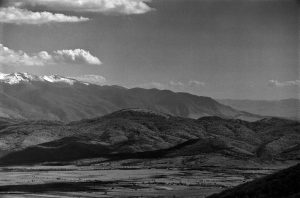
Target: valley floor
(96,181)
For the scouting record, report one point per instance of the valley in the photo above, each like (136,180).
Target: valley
(124,181)
(149,99)
(141,153)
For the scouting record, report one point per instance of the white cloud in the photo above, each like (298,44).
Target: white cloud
(196,84)
(173,85)
(19,58)
(91,78)
(102,6)
(22,16)
(77,55)
(276,83)
(177,84)
(152,85)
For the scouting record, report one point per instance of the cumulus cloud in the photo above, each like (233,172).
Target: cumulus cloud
(22,16)
(77,55)
(292,83)
(19,58)
(91,78)
(102,6)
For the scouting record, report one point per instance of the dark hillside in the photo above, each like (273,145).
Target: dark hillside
(283,184)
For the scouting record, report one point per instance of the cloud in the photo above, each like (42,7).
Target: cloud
(22,16)
(152,85)
(124,7)
(196,84)
(10,57)
(173,85)
(77,55)
(276,83)
(91,78)
(176,85)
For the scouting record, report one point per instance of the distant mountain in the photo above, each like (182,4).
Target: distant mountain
(288,108)
(17,78)
(140,133)
(26,96)
(283,184)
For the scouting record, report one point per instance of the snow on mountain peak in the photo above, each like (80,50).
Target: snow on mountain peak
(57,79)
(16,78)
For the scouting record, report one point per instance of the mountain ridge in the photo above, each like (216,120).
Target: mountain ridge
(66,99)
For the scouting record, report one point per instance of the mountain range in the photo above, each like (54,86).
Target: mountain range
(27,96)
(288,108)
(141,133)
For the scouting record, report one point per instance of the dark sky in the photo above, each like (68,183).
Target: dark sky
(233,48)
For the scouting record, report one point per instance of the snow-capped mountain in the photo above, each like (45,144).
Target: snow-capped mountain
(16,78)
(54,97)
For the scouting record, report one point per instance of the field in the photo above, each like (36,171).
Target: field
(97,181)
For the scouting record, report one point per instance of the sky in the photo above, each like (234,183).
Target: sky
(238,49)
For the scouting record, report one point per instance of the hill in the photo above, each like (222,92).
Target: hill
(132,133)
(283,184)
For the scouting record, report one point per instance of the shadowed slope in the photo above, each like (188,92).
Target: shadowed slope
(283,184)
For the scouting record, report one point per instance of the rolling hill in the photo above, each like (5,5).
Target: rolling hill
(140,133)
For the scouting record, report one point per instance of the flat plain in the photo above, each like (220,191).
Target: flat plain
(97,181)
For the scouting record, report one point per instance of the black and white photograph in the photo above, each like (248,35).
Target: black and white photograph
(149,98)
